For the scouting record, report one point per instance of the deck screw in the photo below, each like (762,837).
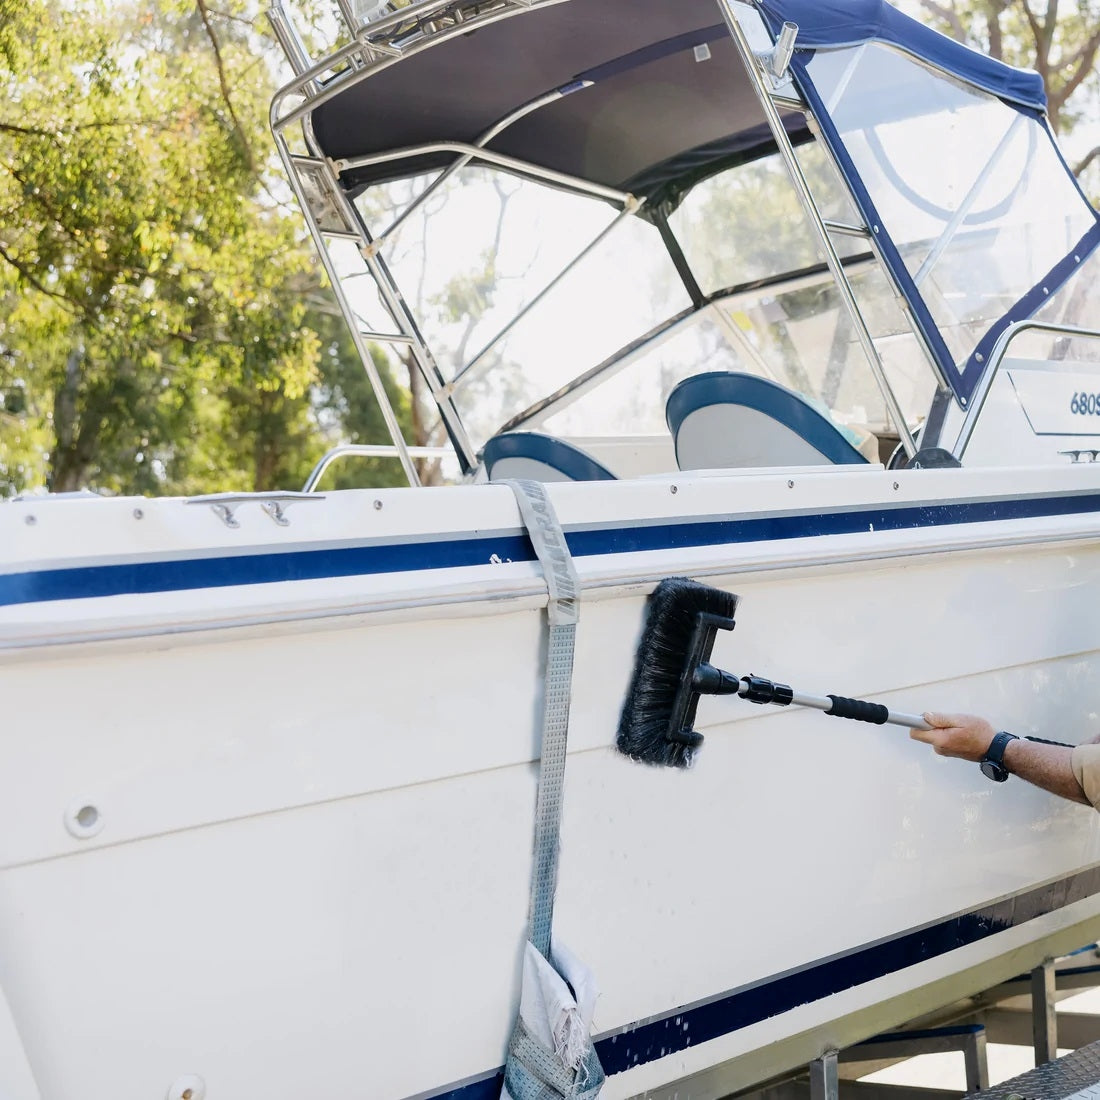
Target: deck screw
(30,521)
(896,485)
(378,506)
(138,514)
(673,489)
(790,484)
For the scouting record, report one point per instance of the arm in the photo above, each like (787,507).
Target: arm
(967,737)
(1047,766)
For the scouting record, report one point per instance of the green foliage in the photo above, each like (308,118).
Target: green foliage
(347,409)
(154,331)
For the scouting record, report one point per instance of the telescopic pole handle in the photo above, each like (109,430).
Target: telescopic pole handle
(859,710)
(756,689)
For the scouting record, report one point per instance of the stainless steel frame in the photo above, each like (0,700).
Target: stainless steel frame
(809,206)
(370,450)
(476,152)
(481,142)
(360,59)
(399,35)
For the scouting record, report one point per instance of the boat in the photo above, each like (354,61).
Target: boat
(796,299)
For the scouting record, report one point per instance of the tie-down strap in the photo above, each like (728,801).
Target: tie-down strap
(548,539)
(534,1073)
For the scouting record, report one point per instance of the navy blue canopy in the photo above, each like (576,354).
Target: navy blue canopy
(663,100)
(832,23)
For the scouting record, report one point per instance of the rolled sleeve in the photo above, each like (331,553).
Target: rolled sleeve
(1086,770)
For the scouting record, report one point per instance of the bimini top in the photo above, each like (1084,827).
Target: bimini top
(651,92)
(833,23)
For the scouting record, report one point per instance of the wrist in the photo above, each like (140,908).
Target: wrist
(1010,757)
(993,764)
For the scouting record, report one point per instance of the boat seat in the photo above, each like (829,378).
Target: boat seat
(537,457)
(726,420)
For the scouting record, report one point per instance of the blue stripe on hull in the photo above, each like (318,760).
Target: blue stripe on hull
(647,1041)
(143,577)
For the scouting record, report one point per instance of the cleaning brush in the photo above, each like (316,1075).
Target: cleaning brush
(673,669)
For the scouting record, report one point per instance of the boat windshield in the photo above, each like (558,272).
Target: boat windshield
(986,218)
(545,308)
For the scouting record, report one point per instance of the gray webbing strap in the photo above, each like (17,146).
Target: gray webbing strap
(548,539)
(534,1073)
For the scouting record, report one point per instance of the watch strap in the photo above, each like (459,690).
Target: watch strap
(995,754)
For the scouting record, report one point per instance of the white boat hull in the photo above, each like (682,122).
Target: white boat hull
(310,865)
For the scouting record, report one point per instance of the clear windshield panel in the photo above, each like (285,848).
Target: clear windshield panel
(1073,306)
(519,288)
(971,191)
(629,399)
(796,333)
(747,223)
(803,338)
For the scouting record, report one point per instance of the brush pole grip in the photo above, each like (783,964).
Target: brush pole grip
(756,689)
(838,706)
(859,710)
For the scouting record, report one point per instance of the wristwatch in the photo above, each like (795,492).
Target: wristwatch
(992,764)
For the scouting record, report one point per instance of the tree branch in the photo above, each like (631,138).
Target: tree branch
(1089,158)
(1083,61)
(204,14)
(26,273)
(37,131)
(1036,32)
(231,18)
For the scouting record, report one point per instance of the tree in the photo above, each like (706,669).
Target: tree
(1061,41)
(155,326)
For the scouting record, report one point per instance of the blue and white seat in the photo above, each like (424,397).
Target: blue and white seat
(727,420)
(537,457)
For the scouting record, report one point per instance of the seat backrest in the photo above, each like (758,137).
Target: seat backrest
(726,420)
(536,457)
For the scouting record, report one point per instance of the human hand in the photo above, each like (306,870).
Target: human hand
(963,735)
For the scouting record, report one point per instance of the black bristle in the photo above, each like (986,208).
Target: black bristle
(681,619)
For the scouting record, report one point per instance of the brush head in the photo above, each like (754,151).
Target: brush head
(682,619)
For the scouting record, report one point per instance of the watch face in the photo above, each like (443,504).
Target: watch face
(997,772)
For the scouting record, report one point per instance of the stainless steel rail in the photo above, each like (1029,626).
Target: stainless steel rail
(368,450)
(996,357)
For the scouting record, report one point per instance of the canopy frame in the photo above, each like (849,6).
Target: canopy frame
(377,46)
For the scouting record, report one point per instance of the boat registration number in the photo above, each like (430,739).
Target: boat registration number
(1057,403)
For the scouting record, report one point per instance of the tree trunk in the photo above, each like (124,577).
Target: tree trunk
(70,456)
